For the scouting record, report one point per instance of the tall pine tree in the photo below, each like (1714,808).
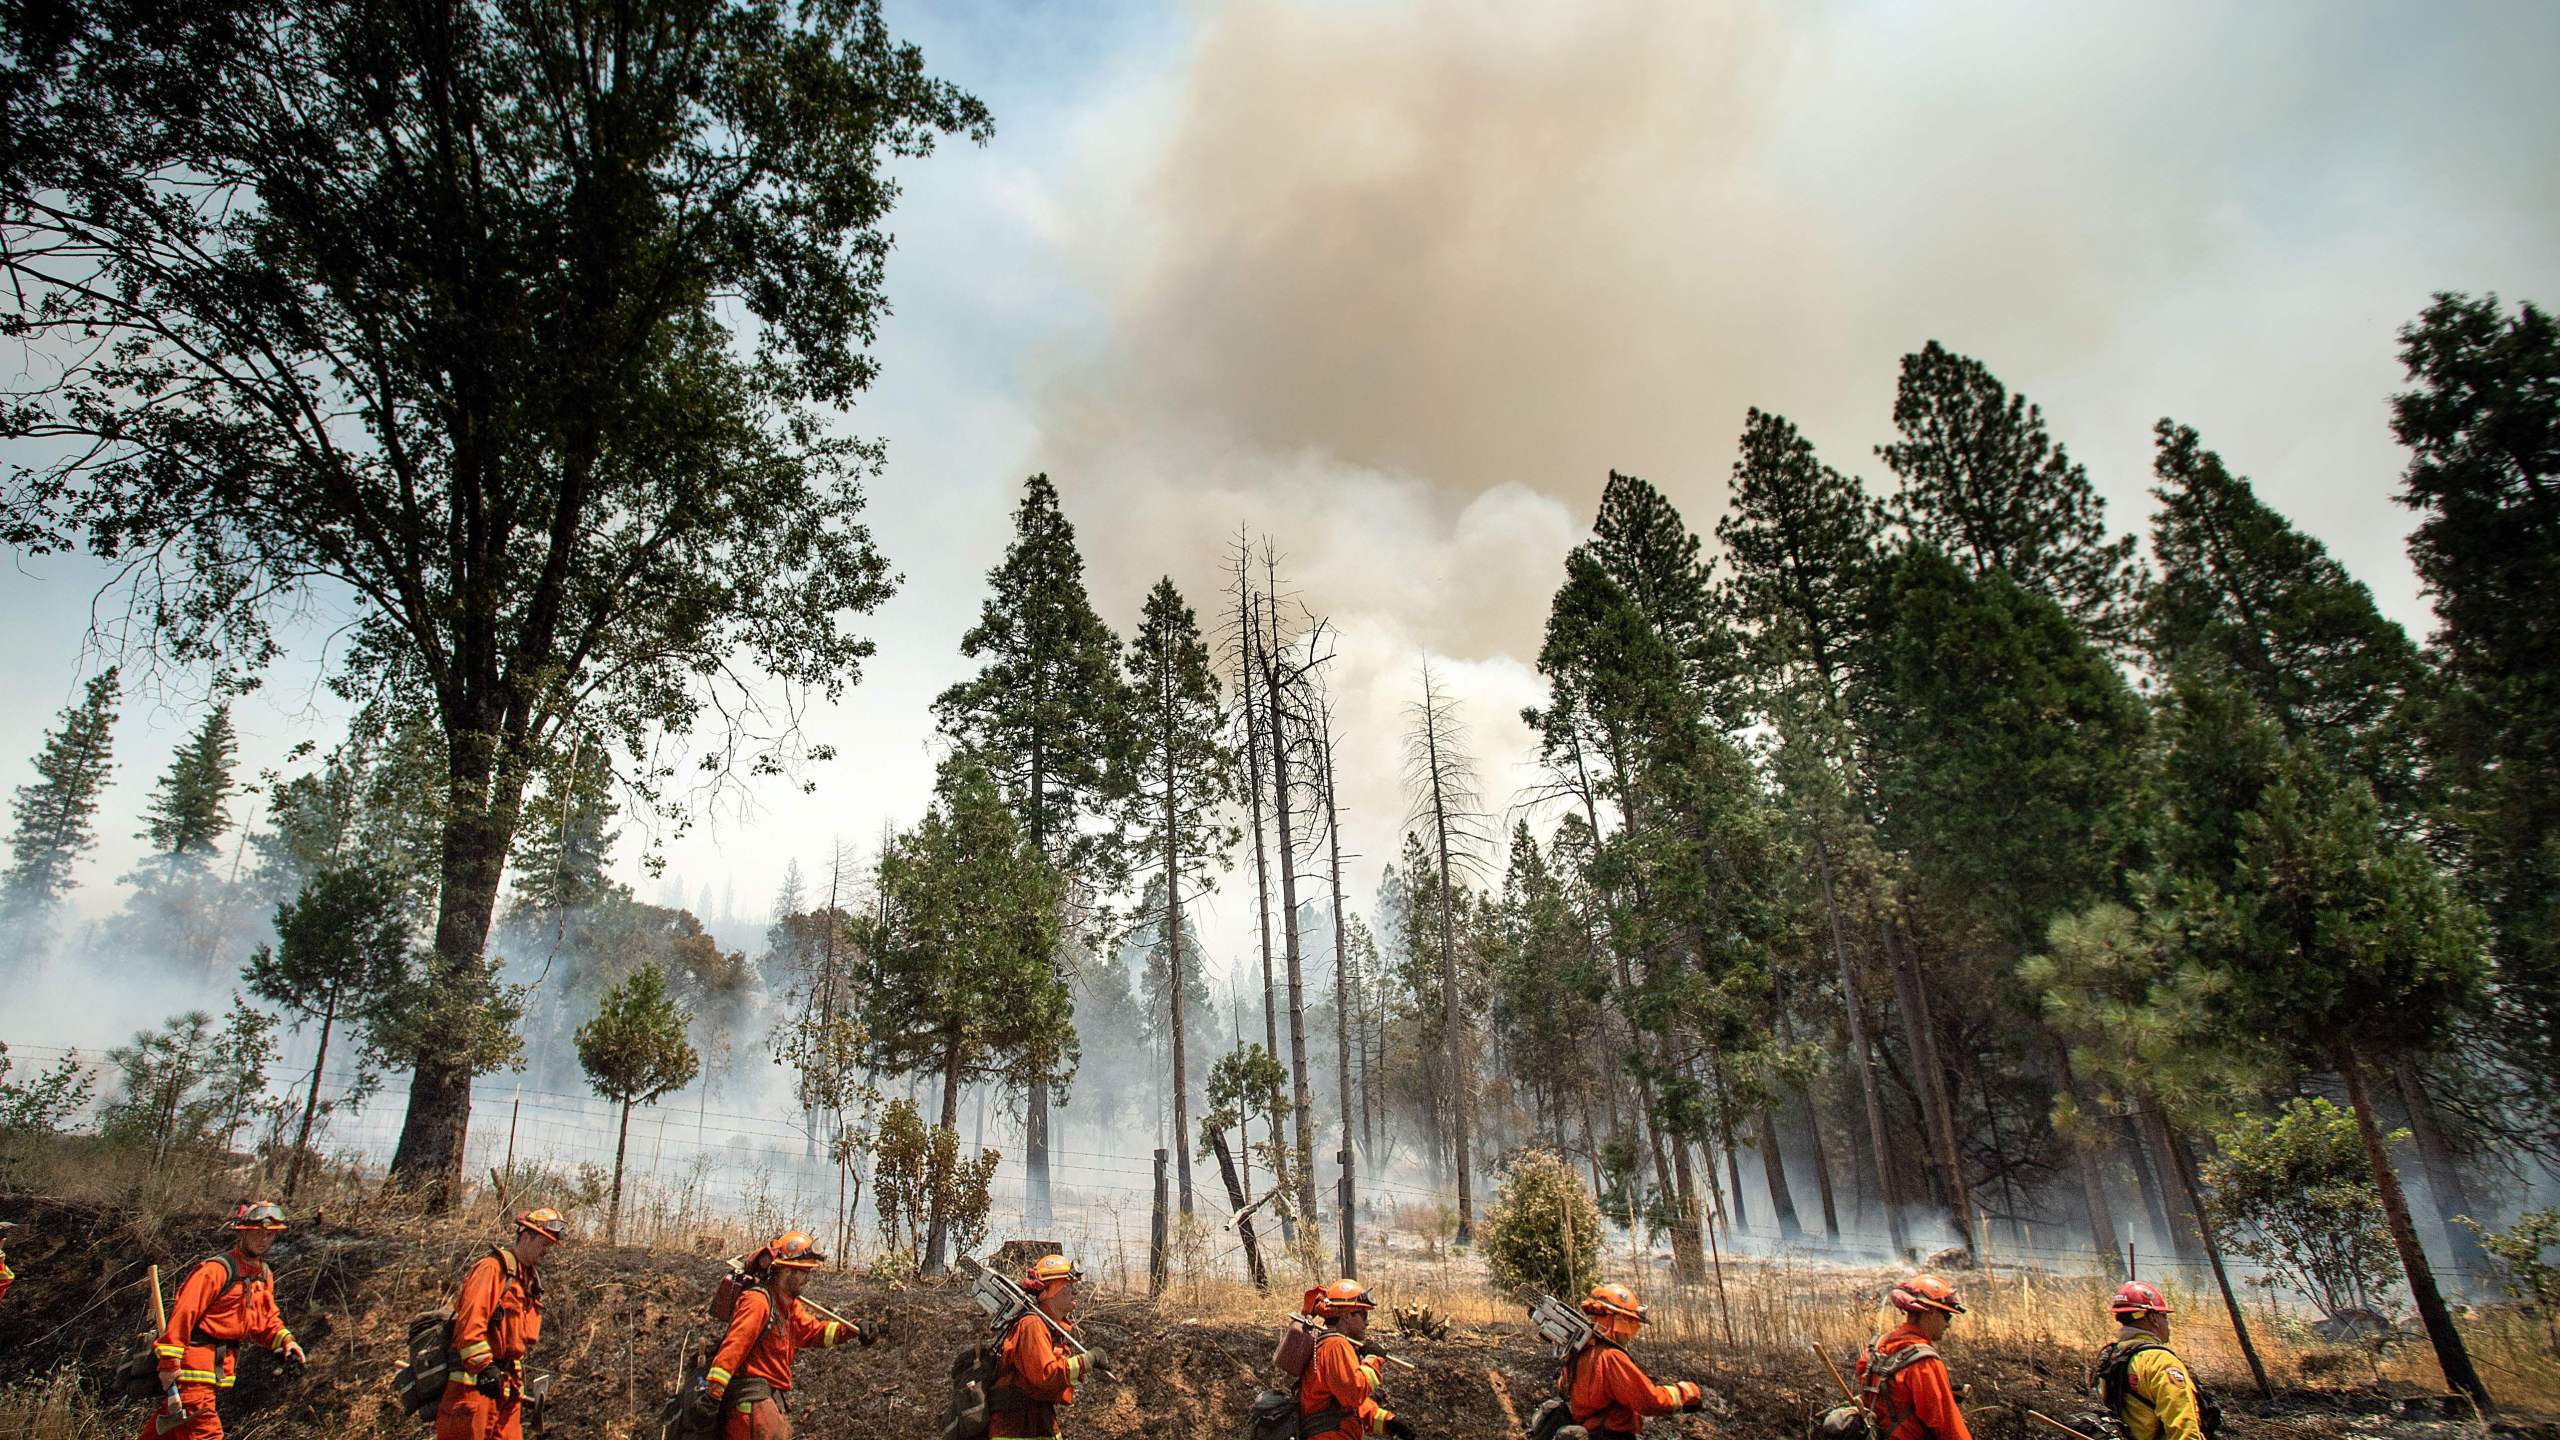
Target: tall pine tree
(181,901)
(1983,481)
(2239,584)
(964,952)
(1185,779)
(564,843)
(55,817)
(191,806)
(2481,421)
(1048,716)
(2341,946)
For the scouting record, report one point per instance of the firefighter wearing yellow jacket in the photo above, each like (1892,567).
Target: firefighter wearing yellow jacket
(2147,1390)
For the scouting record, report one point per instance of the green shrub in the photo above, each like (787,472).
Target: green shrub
(1542,1233)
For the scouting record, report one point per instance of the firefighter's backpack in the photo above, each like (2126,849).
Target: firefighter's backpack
(1553,1420)
(974,1373)
(420,1383)
(1840,1422)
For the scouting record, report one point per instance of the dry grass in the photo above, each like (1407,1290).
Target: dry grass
(1766,1311)
(59,1409)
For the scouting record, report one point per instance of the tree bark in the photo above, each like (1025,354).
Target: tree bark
(2093,1177)
(2451,1357)
(1773,1169)
(2184,1165)
(1813,1136)
(1919,1035)
(2186,1213)
(613,1212)
(480,819)
(937,1229)
(2155,1205)
(1299,1098)
(1864,1053)
(1174,978)
(1341,939)
(1236,1201)
(2444,1176)
(1451,1033)
(311,1098)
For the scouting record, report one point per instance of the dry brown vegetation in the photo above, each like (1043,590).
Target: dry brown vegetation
(355,1271)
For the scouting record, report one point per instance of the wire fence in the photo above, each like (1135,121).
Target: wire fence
(692,1164)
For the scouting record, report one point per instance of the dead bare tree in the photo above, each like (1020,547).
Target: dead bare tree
(1441,795)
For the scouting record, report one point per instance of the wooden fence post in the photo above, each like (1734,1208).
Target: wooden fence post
(1156,1237)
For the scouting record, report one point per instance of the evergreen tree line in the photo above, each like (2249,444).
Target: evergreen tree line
(1935,839)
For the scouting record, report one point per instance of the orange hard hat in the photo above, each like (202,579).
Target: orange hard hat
(1926,1292)
(1341,1298)
(797,1250)
(2134,1297)
(1610,1298)
(546,1222)
(1049,1270)
(258,1215)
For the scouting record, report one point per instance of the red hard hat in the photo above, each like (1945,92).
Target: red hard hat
(2134,1297)
(1926,1292)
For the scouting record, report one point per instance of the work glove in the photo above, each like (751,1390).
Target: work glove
(1397,1429)
(175,1403)
(1691,1397)
(1093,1361)
(703,1407)
(293,1352)
(866,1333)
(492,1383)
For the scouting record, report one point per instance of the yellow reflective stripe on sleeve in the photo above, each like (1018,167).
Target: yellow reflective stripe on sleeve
(200,1377)
(283,1338)
(718,1376)
(471,1354)
(1075,1369)
(171,1352)
(834,1336)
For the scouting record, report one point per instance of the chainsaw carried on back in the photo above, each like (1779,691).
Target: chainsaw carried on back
(1006,1302)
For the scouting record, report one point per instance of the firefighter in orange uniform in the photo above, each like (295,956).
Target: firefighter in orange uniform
(750,1379)
(1038,1375)
(1902,1381)
(224,1303)
(1606,1391)
(8,1277)
(495,1324)
(1341,1383)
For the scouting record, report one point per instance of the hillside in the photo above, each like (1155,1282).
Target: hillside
(617,1317)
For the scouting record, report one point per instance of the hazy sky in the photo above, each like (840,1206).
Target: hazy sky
(1400,283)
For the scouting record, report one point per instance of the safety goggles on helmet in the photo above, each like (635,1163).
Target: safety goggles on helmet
(1613,1299)
(1048,1270)
(1926,1292)
(546,1222)
(258,1215)
(1344,1296)
(2134,1297)
(797,1250)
